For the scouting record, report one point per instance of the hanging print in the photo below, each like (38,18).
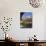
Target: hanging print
(26,19)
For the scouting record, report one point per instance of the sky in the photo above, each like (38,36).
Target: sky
(27,15)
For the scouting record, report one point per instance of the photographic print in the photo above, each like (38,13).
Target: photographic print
(25,19)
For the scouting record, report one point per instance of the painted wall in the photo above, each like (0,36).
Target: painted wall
(12,8)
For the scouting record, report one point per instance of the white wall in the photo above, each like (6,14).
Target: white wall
(45,28)
(12,8)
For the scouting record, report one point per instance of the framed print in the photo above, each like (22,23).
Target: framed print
(25,19)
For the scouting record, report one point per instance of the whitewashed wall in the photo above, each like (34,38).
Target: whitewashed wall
(12,8)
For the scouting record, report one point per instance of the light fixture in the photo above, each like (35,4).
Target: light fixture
(35,3)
